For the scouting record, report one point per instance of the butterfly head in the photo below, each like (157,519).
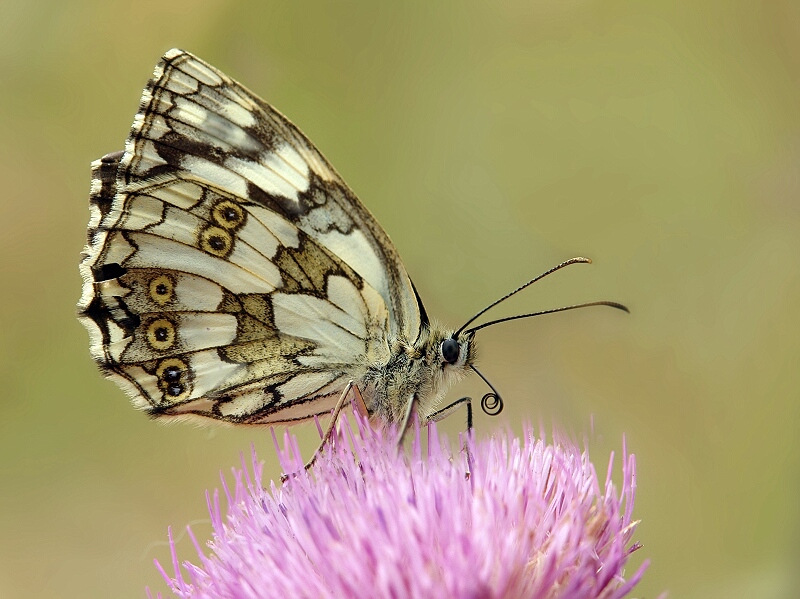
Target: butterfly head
(445,355)
(457,351)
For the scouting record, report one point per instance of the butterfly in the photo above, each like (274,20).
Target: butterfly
(230,273)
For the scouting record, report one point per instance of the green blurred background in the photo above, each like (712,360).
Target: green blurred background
(491,140)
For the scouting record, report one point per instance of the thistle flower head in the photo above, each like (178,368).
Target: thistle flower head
(502,517)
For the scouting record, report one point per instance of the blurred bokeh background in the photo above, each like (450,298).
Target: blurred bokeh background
(492,141)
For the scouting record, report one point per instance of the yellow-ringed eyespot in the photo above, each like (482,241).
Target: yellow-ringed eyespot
(173,378)
(161,334)
(216,241)
(227,214)
(162,290)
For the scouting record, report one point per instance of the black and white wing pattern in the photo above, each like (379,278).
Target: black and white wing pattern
(229,271)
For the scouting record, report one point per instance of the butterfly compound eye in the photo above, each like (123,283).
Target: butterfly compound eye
(450,351)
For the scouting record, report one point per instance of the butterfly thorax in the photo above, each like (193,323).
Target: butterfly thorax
(417,367)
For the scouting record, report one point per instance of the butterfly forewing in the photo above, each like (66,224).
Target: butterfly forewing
(229,271)
(195,120)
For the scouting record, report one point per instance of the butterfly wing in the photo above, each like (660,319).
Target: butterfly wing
(194,118)
(229,271)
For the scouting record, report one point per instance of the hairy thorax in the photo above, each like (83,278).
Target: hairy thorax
(414,368)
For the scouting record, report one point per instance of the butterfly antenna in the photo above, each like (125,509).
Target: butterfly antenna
(616,305)
(576,260)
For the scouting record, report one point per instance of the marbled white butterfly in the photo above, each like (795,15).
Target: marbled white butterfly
(230,273)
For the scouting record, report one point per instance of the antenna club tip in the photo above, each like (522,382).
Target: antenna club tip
(582,259)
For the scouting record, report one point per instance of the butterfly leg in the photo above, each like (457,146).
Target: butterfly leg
(436,416)
(410,409)
(449,409)
(351,386)
(358,402)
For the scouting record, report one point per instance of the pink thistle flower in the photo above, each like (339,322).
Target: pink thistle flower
(530,520)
